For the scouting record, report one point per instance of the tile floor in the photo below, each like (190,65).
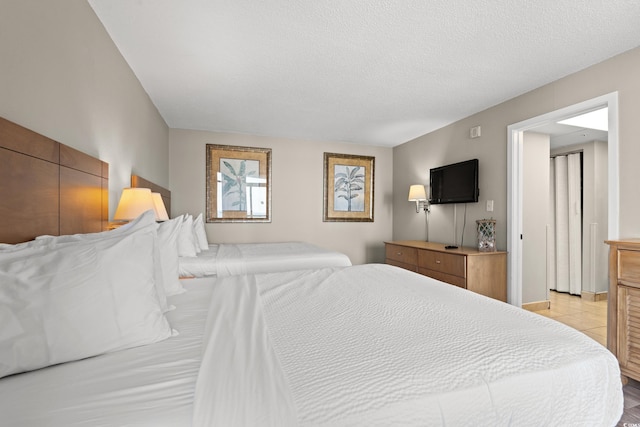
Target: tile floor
(591,318)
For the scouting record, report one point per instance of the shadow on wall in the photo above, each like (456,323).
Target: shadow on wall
(375,253)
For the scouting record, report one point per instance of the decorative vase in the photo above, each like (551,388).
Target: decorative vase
(486,235)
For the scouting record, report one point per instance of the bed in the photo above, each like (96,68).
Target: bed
(283,349)
(86,340)
(378,345)
(228,259)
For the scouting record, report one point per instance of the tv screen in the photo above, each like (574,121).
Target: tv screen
(455,183)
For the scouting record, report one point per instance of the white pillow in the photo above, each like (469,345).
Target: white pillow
(186,239)
(196,245)
(47,239)
(201,234)
(142,220)
(78,299)
(145,220)
(6,247)
(168,232)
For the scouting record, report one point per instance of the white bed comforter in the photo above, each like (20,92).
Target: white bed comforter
(248,258)
(377,345)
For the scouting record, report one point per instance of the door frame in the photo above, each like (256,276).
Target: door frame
(515,179)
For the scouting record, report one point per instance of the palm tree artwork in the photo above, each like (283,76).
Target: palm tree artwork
(234,189)
(349,188)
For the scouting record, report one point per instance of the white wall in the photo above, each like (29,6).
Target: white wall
(452,143)
(535,203)
(62,76)
(297,193)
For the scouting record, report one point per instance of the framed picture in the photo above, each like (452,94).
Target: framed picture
(348,187)
(238,184)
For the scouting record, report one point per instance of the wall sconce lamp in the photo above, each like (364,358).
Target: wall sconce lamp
(135,201)
(418,194)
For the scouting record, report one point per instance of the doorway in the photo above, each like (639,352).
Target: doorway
(515,157)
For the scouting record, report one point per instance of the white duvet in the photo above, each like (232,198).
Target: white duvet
(248,258)
(376,345)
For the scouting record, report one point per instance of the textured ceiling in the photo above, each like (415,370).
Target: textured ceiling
(378,72)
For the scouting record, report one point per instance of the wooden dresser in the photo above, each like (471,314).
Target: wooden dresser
(481,272)
(623,318)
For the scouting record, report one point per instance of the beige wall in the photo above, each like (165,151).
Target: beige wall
(62,76)
(297,193)
(535,211)
(411,164)
(452,143)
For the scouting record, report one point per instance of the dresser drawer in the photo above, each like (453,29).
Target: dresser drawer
(401,254)
(460,282)
(410,267)
(481,272)
(629,267)
(442,262)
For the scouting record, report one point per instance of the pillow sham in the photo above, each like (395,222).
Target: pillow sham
(186,239)
(142,220)
(168,232)
(78,299)
(46,239)
(194,238)
(200,233)
(145,220)
(6,247)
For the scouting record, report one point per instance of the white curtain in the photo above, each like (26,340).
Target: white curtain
(564,252)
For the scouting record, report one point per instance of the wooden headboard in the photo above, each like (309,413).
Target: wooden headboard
(47,187)
(139,182)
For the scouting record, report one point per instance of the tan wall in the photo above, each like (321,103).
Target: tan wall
(297,193)
(413,160)
(62,76)
(411,164)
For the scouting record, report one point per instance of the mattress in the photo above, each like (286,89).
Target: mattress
(248,258)
(152,385)
(377,345)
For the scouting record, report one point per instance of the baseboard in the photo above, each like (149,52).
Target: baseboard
(594,296)
(537,306)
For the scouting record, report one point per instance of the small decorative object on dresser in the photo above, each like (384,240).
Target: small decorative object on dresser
(478,271)
(486,235)
(623,325)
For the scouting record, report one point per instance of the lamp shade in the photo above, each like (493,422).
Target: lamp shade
(417,192)
(161,211)
(133,202)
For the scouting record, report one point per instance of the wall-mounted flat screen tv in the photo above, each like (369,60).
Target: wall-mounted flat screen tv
(455,183)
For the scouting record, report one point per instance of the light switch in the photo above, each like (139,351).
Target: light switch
(489,205)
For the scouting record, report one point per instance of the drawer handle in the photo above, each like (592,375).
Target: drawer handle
(437,261)
(398,253)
